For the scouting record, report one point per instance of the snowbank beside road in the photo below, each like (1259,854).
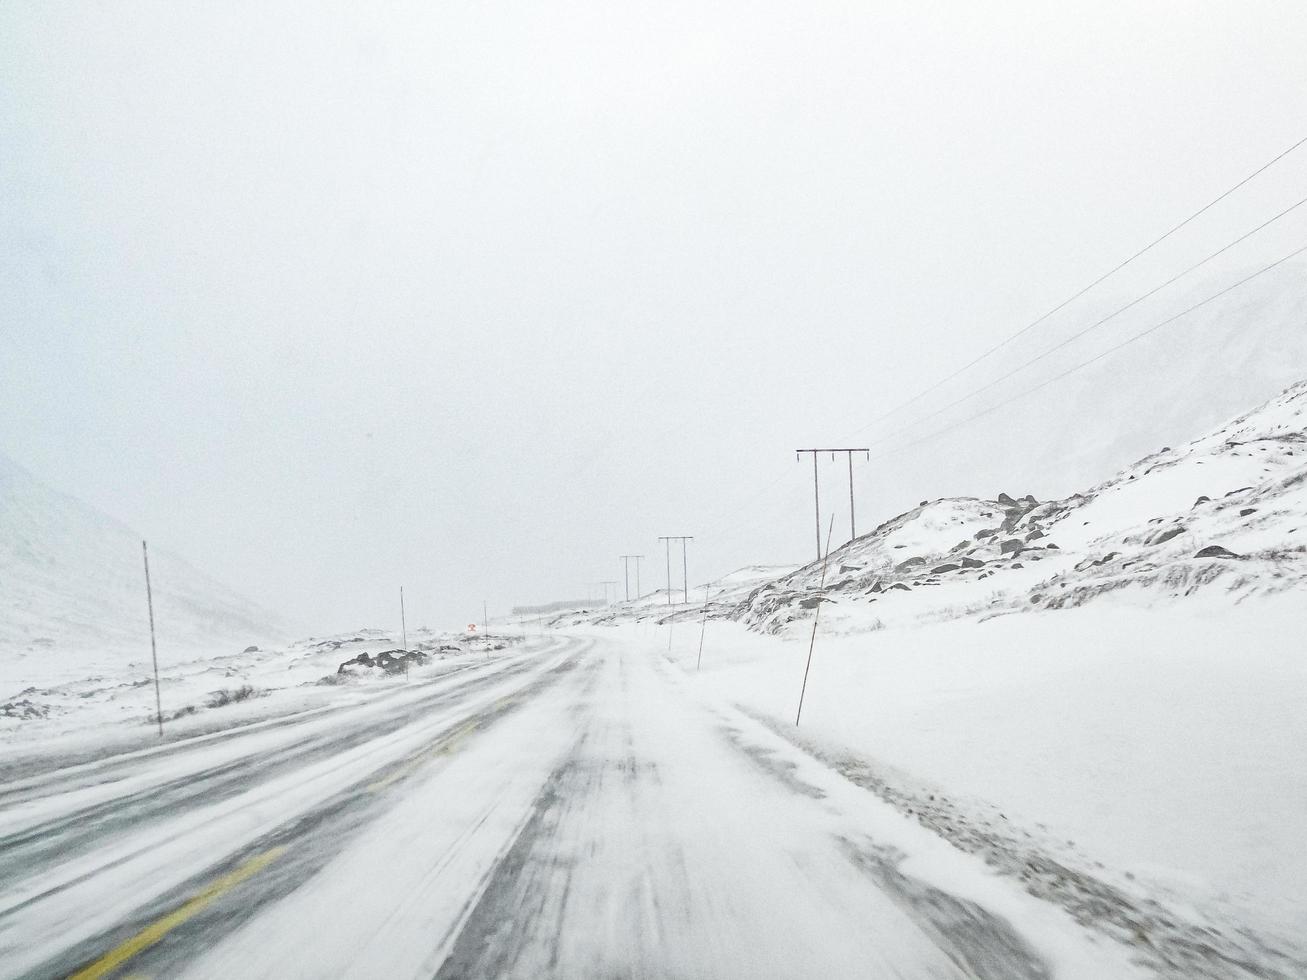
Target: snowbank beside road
(1163,749)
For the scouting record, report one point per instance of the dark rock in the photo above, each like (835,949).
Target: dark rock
(250,649)
(391,661)
(1036,598)
(845,569)
(1247,510)
(812,602)
(901,587)
(1035,535)
(877,587)
(982,535)
(922,504)
(1052,547)
(1005,500)
(903,566)
(1240,490)
(1012,546)
(1168,534)
(947,567)
(972,563)
(1202,500)
(1017,564)
(1030,500)
(1215,551)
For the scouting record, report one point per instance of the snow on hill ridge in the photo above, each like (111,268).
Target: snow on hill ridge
(72,589)
(1228,510)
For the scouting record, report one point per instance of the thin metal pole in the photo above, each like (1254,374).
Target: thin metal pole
(403,626)
(702,627)
(154,649)
(815,617)
(637,576)
(626,575)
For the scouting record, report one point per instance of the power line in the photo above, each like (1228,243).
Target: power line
(1095,325)
(1097,357)
(1115,269)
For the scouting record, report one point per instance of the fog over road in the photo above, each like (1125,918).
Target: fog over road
(573,809)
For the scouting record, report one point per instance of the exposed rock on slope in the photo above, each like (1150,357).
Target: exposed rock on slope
(1228,510)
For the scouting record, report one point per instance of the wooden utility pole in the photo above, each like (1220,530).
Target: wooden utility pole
(685,580)
(816,496)
(626,573)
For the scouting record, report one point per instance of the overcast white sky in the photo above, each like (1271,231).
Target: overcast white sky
(475,297)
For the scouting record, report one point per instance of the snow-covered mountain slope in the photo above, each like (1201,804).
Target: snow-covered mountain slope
(722,594)
(72,590)
(1185,378)
(1227,512)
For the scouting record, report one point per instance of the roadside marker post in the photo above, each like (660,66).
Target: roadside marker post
(403,626)
(702,628)
(154,650)
(816,615)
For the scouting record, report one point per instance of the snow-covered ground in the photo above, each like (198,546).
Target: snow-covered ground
(1163,752)
(1039,738)
(570,808)
(1100,692)
(113,709)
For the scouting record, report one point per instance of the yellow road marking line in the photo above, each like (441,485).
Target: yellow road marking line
(151,934)
(444,747)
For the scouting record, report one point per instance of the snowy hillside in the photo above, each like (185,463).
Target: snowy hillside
(1101,693)
(1226,512)
(72,591)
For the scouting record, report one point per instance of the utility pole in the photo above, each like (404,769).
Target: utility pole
(685,581)
(816,496)
(605,584)
(485,617)
(626,573)
(154,650)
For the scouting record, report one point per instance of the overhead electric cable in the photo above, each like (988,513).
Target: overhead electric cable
(1093,326)
(1115,269)
(1083,364)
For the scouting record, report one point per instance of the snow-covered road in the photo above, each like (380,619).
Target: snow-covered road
(571,810)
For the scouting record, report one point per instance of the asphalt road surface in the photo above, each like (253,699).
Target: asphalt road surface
(572,809)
